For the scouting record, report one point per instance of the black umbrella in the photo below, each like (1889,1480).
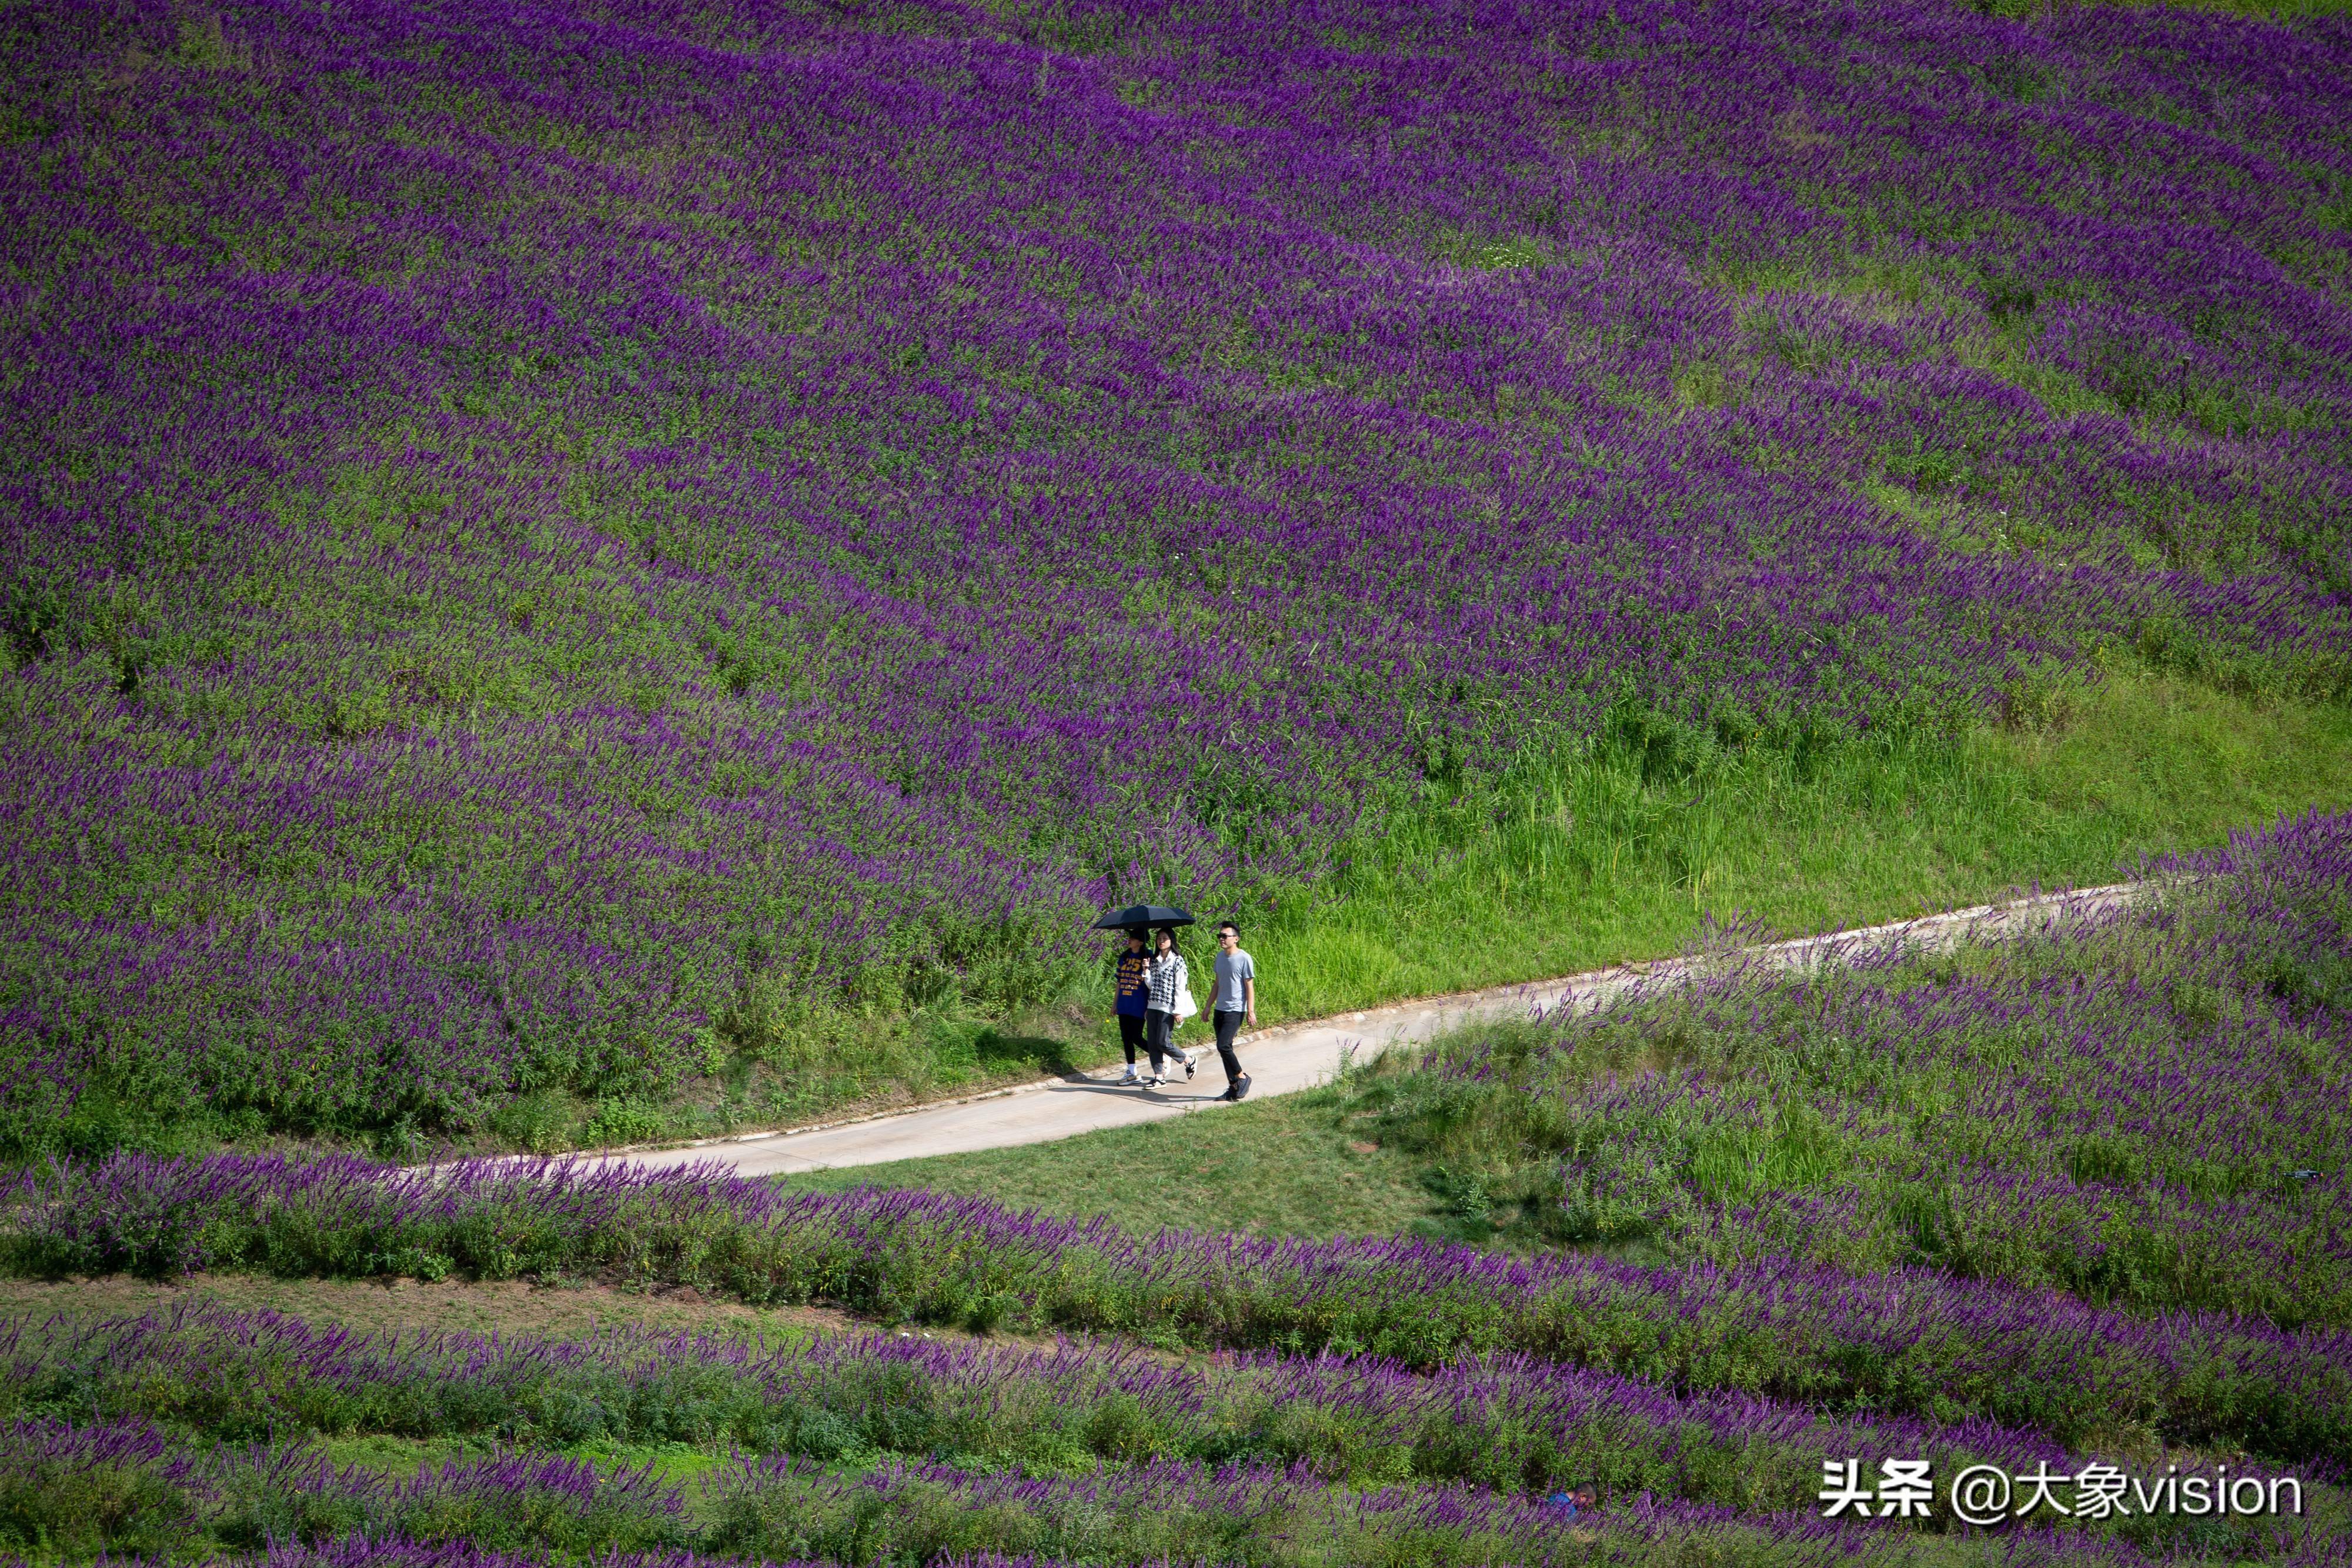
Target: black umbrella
(1137,915)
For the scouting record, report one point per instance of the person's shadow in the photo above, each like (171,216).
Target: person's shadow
(1011,1053)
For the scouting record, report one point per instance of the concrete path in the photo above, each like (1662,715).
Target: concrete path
(1282,1061)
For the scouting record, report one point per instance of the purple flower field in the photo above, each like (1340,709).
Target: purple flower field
(1509,1421)
(524,521)
(1099,1476)
(1918,1340)
(2114,1261)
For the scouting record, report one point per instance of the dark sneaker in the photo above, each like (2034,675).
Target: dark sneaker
(1241,1087)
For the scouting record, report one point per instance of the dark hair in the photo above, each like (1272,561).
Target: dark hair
(1226,925)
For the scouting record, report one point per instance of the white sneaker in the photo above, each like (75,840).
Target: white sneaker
(1191,1056)
(1129,1076)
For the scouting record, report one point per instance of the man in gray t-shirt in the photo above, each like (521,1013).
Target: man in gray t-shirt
(1236,1001)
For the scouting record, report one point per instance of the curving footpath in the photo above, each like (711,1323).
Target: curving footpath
(1291,1057)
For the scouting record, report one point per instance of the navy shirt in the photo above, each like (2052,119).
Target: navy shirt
(1134,990)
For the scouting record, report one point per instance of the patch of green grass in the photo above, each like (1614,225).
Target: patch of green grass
(1285,1166)
(404,1306)
(399,1458)
(1309,1164)
(1610,859)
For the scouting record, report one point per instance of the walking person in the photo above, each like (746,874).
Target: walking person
(1234,1004)
(1171,1003)
(1132,1000)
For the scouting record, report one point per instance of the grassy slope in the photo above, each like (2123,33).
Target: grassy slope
(1314,1165)
(1590,865)
(1288,1167)
(2148,764)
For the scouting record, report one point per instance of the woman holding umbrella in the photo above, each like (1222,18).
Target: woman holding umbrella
(1154,988)
(1131,998)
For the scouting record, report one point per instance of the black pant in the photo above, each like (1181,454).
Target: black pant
(1159,1037)
(1130,1034)
(1228,1026)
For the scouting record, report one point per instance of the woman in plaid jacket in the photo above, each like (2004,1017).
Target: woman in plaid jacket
(1171,988)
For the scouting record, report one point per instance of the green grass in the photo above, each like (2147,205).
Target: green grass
(1288,1167)
(679,1464)
(575,1308)
(1593,864)
(1611,868)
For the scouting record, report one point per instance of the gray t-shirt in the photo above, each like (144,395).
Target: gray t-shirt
(1232,968)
